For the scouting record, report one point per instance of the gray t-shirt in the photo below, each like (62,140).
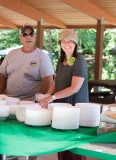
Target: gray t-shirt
(24,72)
(64,76)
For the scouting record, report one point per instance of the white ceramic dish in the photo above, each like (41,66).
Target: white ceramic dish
(12,100)
(2,102)
(52,105)
(4,112)
(89,114)
(65,117)
(89,124)
(12,111)
(2,96)
(33,116)
(26,102)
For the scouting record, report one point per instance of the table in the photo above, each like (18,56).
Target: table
(108,98)
(18,139)
(105,149)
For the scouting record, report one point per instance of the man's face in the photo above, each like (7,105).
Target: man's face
(28,38)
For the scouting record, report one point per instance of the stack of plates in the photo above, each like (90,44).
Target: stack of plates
(89,114)
(65,117)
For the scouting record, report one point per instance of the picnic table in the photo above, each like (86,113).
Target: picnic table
(105,97)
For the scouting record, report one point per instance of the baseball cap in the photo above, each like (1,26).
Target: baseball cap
(24,27)
(70,34)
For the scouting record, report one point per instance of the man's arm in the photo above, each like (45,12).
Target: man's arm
(47,81)
(2,83)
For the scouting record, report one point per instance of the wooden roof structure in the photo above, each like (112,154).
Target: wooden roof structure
(57,13)
(54,14)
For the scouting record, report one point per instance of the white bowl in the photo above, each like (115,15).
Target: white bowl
(2,102)
(89,114)
(51,105)
(26,102)
(65,117)
(2,96)
(12,111)
(34,105)
(12,100)
(33,116)
(4,112)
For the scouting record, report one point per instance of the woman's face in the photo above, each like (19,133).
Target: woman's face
(68,46)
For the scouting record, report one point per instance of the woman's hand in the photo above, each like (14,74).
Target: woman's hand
(45,101)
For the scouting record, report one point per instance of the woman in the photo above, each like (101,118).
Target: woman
(71,80)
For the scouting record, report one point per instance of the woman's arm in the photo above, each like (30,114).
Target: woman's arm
(51,90)
(75,86)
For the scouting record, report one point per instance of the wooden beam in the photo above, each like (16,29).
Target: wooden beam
(72,26)
(81,27)
(7,24)
(26,10)
(89,26)
(90,9)
(99,51)
(40,34)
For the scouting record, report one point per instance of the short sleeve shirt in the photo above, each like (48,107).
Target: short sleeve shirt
(64,74)
(24,72)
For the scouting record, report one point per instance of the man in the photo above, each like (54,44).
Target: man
(26,71)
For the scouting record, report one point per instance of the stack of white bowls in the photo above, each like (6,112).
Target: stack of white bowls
(33,115)
(89,114)
(8,106)
(52,105)
(4,109)
(25,111)
(65,116)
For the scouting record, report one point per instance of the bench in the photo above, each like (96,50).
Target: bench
(101,97)
(100,93)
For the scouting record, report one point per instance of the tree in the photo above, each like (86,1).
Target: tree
(9,38)
(86,46)
(51,44)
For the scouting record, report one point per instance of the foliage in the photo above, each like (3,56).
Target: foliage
(51,44)
(86,41)
(86,46)
(109,66)
(9,38)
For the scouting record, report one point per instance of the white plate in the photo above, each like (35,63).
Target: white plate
(89,124)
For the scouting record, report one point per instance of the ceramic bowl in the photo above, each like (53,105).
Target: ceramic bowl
(26,102)
(12,100)
(33,116)
(52,105)
(4,112)
(65,117)
(2,96)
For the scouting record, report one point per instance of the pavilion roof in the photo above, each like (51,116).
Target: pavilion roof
(57,13)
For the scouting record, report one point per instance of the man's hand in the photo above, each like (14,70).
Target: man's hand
(45,101)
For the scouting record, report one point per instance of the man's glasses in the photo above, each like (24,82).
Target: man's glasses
(26,35)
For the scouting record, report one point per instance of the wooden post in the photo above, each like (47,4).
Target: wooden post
(99,50)
(40,33)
